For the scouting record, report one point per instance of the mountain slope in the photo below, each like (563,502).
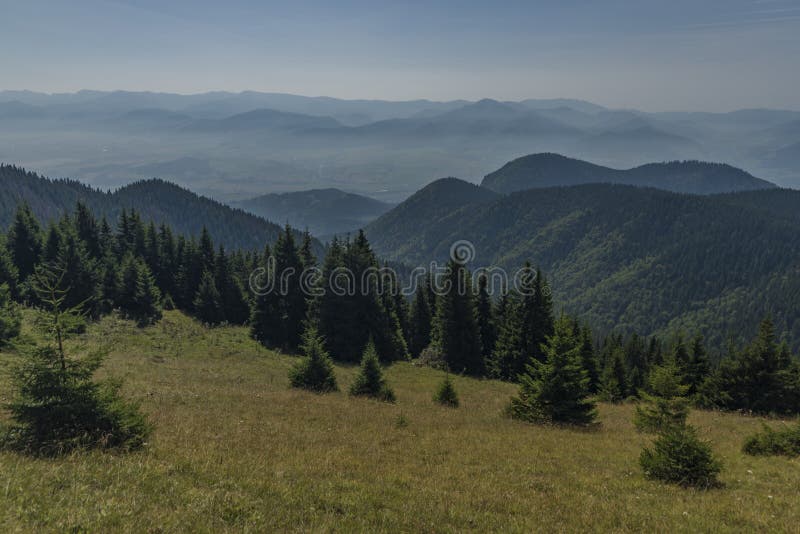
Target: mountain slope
(548,170)
(322,211)
(635,259)
(155,200)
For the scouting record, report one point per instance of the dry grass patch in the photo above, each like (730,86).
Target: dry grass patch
(235,449)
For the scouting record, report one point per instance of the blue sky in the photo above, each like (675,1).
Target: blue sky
(655,55)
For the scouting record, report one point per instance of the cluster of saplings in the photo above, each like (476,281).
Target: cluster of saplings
(137,269)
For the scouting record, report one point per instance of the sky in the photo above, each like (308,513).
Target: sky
(710,55)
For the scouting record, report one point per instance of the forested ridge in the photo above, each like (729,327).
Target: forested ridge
(157,200)
(623,257)
(550,170)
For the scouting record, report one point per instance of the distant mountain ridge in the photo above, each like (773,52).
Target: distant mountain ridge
(156,200)
(322,211)
(693,177)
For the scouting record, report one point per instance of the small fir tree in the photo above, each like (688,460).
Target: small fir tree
(57,406)
(315,371)
(370,382)
(446,394)
(678,456)
(556,390)
(665,404)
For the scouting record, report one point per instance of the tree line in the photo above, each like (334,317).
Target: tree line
(138,269)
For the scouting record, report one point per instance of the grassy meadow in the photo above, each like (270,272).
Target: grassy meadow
(234,449)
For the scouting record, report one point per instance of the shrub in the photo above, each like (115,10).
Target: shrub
(783,442)
(315,371)
(679,457)
(370,382)
(446,393)
(432,357)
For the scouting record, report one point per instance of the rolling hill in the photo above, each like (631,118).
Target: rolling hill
(549,170)
(155,200)
(623,257)
(322,211)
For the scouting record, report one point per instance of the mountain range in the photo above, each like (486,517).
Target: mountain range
(234,146)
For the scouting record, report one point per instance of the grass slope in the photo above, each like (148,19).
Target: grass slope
(236,450)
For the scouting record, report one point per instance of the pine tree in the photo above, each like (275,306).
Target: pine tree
(234,306)
(307,258)
(485,317)
(509,357)
(664,404)
(57,406)
(279,314)
(88,232)
(10,320)
(589,359)
(24,241)
(679,457)
(761,378)
(698,368)
(139,298)
(370,382)
(421,320)
(207,300)
(614,382)
(446,394)
(314,371)
(349,310)
(527,321)
(8,271)
(556,390)
(456,331)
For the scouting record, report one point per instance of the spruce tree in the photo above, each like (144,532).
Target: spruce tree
(664,403)
(370,382)
(446,394)
(233,304)
(349,311)
(678,456)
(421,320)
(24,241)
(57,406)
(278,314)
(589,359)
(527,321)
(456,331)
(761,378)
(10,320)
(614,382)
(207,301)
(314,371)
(8,271)
(556,390)
(698,368)
(139,298)
(485,317)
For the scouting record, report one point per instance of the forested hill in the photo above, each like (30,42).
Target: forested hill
(634,259)
(322,211)
(155,200)
(550,170)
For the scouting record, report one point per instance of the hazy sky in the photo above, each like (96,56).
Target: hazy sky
(654,55)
